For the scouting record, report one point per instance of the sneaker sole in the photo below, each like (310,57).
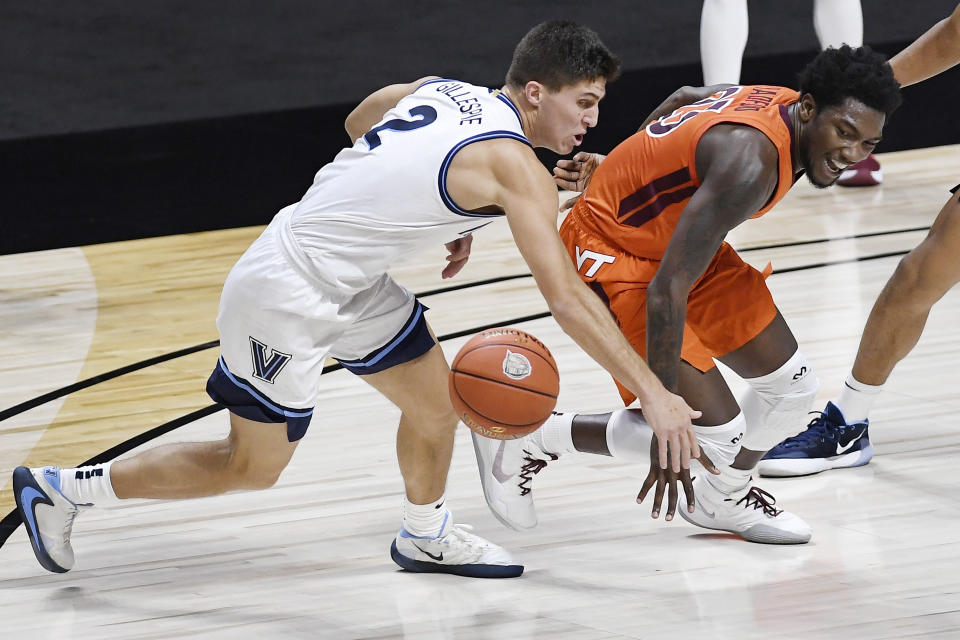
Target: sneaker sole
(793,467)
(466,570)
(483,484)
(23,479)
(769,535)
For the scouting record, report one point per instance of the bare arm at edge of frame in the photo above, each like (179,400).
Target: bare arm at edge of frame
(935,51)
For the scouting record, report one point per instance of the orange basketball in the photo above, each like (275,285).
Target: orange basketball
(504,383)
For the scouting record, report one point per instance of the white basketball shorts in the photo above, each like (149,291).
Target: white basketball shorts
(277,326)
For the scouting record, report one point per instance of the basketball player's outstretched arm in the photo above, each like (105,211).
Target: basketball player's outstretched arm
(936,50)
(528,196)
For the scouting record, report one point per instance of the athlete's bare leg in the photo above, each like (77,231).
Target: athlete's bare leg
(900,313)
(250,457)
(427,426)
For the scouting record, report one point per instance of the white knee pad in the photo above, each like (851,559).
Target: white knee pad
(776,404)
(721,443)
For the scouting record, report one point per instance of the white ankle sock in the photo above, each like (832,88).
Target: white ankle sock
(425,520)
(856,399)
(88,485)
(730,480)
(556,436)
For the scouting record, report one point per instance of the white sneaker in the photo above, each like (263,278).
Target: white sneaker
(507,468)
(748,512)
(455,550)
(47,514)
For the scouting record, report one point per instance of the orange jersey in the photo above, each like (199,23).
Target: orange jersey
(637,194)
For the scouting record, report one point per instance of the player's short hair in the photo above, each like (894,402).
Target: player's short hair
(848,72)
(560,53)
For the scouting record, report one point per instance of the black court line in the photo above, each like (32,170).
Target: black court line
(832,263)
(103,377)
(470,285)
(855,236)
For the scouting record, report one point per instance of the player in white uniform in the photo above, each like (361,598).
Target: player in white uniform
(431,162)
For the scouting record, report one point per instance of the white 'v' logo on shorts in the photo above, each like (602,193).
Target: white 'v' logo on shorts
(264,368)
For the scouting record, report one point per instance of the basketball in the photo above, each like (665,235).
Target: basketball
(504,383)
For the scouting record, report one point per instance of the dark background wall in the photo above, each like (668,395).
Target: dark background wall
(122,120)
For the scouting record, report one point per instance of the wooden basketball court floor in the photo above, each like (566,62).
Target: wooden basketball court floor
(309,558)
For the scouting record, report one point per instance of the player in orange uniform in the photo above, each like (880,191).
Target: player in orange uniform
(647,236)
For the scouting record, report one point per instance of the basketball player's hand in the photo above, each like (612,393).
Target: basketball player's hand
(666,482)
(670,417)
(574,174)
(459,253)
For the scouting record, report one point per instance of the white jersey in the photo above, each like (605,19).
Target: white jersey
(385,198)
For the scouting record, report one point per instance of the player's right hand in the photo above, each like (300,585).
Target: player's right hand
(666,480)
(574,174)
(670,418)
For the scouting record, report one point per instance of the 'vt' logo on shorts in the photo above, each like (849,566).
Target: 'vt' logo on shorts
(599,259)
(264,368)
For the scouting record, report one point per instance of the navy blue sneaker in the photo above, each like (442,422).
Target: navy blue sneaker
(828,443)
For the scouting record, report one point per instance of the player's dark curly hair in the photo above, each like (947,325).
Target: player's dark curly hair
(848,72)
(561,53)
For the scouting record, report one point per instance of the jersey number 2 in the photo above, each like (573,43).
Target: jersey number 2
(423,115)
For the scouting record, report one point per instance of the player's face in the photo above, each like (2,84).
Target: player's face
(566,114)
(837,137)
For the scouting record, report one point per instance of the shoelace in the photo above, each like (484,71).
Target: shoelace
(760,499)
(824,430)
(532,467)
(68,527)
(461,533)
(819,428)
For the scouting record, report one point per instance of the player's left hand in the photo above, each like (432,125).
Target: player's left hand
(459,253)
(666,481)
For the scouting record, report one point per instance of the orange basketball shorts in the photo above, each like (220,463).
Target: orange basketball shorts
(728,305)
